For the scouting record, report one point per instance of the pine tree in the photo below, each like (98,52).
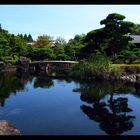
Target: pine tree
(30,39)
(0,27)
(21,36)
(25,38)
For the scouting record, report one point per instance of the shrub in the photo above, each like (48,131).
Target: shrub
(136,62)
(97,66)
(115,71)
(13,59)
(127,56)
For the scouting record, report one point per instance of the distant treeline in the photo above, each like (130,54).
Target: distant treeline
(111,40)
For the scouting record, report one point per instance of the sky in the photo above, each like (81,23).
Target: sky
(61,20)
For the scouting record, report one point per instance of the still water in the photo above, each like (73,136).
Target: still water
(39,105)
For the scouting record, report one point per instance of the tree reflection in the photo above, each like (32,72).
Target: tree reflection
(111,112)
(43,82)
(137,89)
(11,84)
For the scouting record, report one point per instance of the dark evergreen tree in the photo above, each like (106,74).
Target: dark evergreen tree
(30,39)
(26,38)
(0,27)
(112,38)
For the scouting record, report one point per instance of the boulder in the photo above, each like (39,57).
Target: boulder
(7,128)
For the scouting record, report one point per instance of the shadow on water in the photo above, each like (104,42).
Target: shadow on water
(107,108)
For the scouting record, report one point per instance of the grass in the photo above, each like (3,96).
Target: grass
(98,66)
(128,65)
(128,68)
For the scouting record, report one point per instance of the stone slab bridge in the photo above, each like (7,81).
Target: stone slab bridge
(50,65)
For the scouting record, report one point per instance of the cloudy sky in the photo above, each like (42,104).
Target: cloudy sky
(60,20)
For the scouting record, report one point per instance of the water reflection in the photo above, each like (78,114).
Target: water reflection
(103,102)
(111,112)
(13,83)
(10,84)
(43,82)
(137,89)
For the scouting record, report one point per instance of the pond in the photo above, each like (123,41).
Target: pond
(39,105)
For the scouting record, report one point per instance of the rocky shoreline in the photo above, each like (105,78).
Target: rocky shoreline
(23,66)
(128,77)
(131,78)
(7,128)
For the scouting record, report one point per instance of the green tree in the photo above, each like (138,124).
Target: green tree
(18,45)
(42,53)
(112,38)
(59,50)
(26,37)
(137,30)
(95,40)
(42,41)
(30,39)
(4,46)
(0,27)
(60,41)
(21,35)
(73,47)
(117,30)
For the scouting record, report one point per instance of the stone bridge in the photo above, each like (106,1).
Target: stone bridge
(50,65)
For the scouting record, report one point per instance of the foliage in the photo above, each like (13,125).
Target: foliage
(27,38)
(115,71)
(13,59)
(112,38)
(136,62)
(127,68)
(108,43)
(73,47)
(60,41)
(137,29)
(127,56)
(42,41)
(11,47)
(96,66)
(42,53)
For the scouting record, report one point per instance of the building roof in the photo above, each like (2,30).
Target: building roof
(136,38)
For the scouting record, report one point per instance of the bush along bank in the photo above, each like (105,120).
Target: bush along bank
(98,66)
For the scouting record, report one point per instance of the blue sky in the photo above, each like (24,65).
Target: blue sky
(60,20)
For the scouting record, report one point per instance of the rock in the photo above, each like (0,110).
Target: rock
(8,129)
(129,78)
(23,64)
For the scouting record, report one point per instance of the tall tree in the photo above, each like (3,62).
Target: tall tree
(112,38)
(30,39)
(117,31)
(26,37)
(74,46)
